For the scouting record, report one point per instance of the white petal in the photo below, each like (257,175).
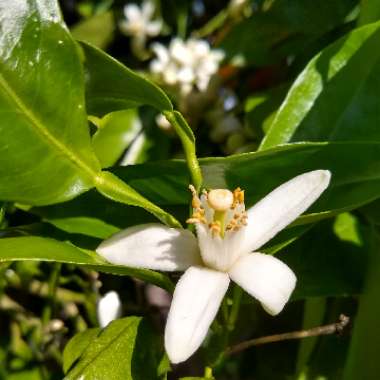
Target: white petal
(196,301)
(152,246)
(185,75)
(170,74)
(132,12)
(217,253)
(157,66)
(282,206)
(266,278)
(153,28)
(147,9)
(202,82)
(161,51)
(108,308)
(180,52)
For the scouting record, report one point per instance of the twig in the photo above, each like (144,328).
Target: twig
(333,328)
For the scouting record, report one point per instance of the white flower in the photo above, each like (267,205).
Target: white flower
(186,64)
(225,249)
(138,22)
(108,308)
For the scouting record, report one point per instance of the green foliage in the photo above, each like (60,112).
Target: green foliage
(43,249)
(122,89)
(77,345)
(82,157)
(97,30)
(46,155)
(334,94)
(126,348)
(283,28)
(116,131)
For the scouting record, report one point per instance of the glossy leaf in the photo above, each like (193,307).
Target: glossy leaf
(116,132)
(44,249)
(46,154)
(84,225)
(336,97)
(126,349)
(110,86)
(77,346)
(93,214)
(354,182)
(114,188)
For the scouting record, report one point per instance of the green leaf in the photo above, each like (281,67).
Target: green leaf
(114,188)
(97,30)
(362,361)
(110,86)
(325,265)
(336,97)
(92,214)
(116,132)
(369,11)
(44,249)
(46,154)
(126,349)
(77,346)
(261,108)
(354,182)
(32,374)
(85,226)
(284,27)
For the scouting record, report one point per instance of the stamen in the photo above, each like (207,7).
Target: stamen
(220,201)
(238,197)
(198,211)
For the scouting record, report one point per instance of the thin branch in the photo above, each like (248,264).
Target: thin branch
(333,328)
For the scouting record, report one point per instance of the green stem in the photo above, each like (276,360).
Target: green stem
(213,24)
(236,301)
(187,138)
(208,373)
(52,287)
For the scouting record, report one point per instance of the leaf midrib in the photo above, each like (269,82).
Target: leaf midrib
(38,126)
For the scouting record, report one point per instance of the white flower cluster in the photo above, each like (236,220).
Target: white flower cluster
(139,23)
(186,64)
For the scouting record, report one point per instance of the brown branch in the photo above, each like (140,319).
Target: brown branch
(333,328)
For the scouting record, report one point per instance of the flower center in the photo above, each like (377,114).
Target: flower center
(219,209)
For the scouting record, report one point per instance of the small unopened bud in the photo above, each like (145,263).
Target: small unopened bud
(220,199)
(109,308)
(56,325)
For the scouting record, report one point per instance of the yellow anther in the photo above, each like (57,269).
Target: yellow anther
(238,197)
(220,199)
